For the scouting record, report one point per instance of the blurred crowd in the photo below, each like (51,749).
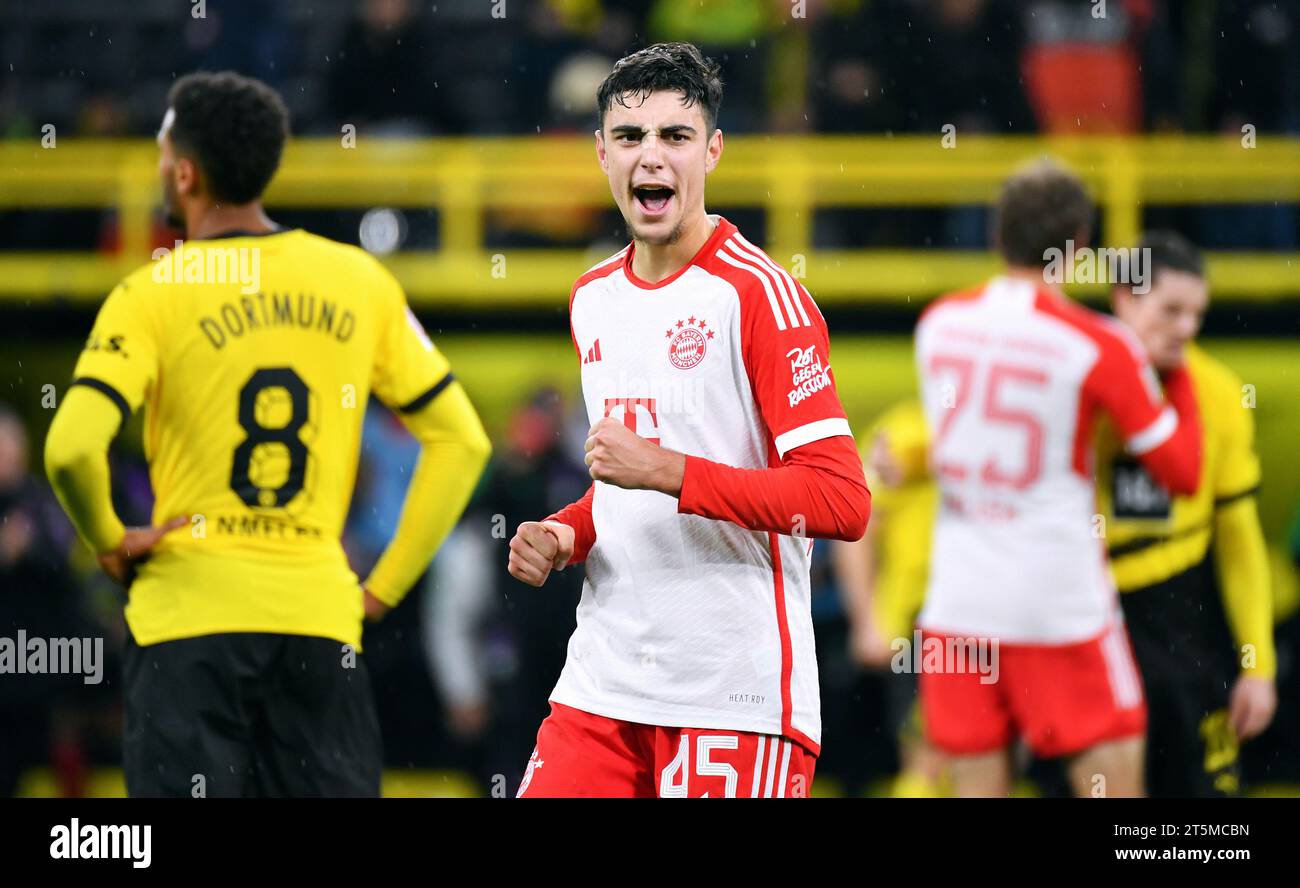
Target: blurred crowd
(528,66)
(482,67)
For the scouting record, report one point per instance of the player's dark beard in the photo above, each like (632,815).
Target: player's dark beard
(170,207)
(671,238)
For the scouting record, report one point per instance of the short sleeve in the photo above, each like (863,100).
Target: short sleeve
(120,358)
(409,370)
(787,357)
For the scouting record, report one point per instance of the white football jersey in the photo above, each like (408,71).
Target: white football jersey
(687,621)
(1013,377)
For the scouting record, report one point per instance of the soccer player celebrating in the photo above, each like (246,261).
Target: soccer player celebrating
(254,350)
(1193,570)
(718,448)
(1014,377)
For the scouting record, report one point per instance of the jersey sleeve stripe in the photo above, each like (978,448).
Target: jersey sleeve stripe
(767,287)
(813,431)
(781,273)
(808,298)
(1233,497)
(1155,434)
(423,400)
(745,250)
(104,388)
(740,253)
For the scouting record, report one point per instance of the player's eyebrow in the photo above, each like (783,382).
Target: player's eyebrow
(631,129)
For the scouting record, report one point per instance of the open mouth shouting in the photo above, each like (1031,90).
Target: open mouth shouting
(653,200)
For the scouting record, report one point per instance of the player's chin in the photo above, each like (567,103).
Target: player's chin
(1170,358)
(658,231)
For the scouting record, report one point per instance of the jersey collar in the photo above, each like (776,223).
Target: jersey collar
(721,232)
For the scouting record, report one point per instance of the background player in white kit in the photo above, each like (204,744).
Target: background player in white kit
(1013,377)
(719,448)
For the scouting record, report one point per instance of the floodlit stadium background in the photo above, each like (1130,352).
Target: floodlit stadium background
(865,141)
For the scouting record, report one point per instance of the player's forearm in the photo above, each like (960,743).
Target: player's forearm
(820,492)
(577,515)
(1242,560)
(454,450)
(1176,463)
(76,462)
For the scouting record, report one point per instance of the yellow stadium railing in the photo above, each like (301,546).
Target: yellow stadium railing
(787,178)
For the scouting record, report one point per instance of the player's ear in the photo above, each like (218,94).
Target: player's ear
(186,176)
(714,152)
(600,150)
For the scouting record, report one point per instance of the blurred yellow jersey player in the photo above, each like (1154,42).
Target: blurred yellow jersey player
(1192,570)
(254,351)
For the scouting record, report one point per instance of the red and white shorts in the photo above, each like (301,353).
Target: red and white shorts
(1062,699)
(583,755)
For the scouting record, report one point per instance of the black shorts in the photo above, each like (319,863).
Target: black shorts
(249,714)
(1189,663)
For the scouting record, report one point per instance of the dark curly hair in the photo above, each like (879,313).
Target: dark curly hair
(665,66)
(233,127)
(1041,207)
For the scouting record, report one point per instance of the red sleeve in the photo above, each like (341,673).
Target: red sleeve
(786,349)
(1165,437)
(819,491)
(578,516)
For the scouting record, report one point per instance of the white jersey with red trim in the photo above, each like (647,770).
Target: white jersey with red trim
(686,621)
(1012,377)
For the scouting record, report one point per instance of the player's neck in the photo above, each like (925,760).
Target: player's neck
(1034,276)
(214,220)
(654,262)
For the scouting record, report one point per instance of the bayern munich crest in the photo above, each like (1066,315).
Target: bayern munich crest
(688,340)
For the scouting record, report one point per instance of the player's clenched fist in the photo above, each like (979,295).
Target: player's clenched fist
(539,548)
(619,456)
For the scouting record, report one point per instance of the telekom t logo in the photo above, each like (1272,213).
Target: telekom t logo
(630,408)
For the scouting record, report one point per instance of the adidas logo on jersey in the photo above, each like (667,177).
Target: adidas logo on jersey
(593,353)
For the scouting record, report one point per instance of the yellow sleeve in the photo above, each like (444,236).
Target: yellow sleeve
(1242,561)
(454,450)
(120,357)
(409,370)
(76,461)
(1239,468)
(414,379)
(1241,555)
(116,369)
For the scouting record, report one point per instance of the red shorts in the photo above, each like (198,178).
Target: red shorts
(1062,699)
(583,755)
